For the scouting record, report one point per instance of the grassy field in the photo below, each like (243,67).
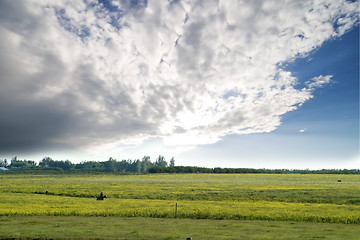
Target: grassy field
(46,227)
(287,200)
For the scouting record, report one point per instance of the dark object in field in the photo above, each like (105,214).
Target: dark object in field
(339,180)
(101,197)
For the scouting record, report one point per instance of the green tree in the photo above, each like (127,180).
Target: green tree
(92,166)
(46,162)
(136,166)
(22,164)
(160,162)
(146,164)
(3,163)
(66,165)
(110,165)
(172,162)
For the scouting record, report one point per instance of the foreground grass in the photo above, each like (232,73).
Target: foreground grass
(49,227)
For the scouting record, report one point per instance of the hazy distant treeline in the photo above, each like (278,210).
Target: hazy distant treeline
(144,166)
(182,169)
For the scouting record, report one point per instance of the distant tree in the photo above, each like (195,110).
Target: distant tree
(134,166)
(146,164)
(22,164)
(91,166)
(51,164)
(160,162)
(123,166)
(110,165)
(82,166)
(66,165)
(3,163)
(46,162)
(172,162)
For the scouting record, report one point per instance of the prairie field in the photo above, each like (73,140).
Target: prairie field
(246,197)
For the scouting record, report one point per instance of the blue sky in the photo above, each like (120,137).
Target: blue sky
(323,133)
(262,84)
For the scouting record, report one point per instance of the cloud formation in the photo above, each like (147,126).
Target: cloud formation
(88,73)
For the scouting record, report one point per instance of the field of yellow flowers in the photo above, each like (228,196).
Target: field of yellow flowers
(282,197)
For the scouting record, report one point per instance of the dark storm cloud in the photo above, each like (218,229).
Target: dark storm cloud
(46,103)
(31,124)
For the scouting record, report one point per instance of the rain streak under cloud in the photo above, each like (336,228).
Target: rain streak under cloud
(91,74)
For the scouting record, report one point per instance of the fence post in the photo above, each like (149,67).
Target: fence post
(175,210)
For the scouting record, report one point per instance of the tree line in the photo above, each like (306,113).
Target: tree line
(186,169)
(111,165)
(145,166)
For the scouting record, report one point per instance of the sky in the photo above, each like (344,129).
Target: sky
(212,83)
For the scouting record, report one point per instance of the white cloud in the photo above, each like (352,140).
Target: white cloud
(302,130)
(188,71)
(319,81)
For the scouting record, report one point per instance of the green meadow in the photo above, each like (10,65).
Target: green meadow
(46,206)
